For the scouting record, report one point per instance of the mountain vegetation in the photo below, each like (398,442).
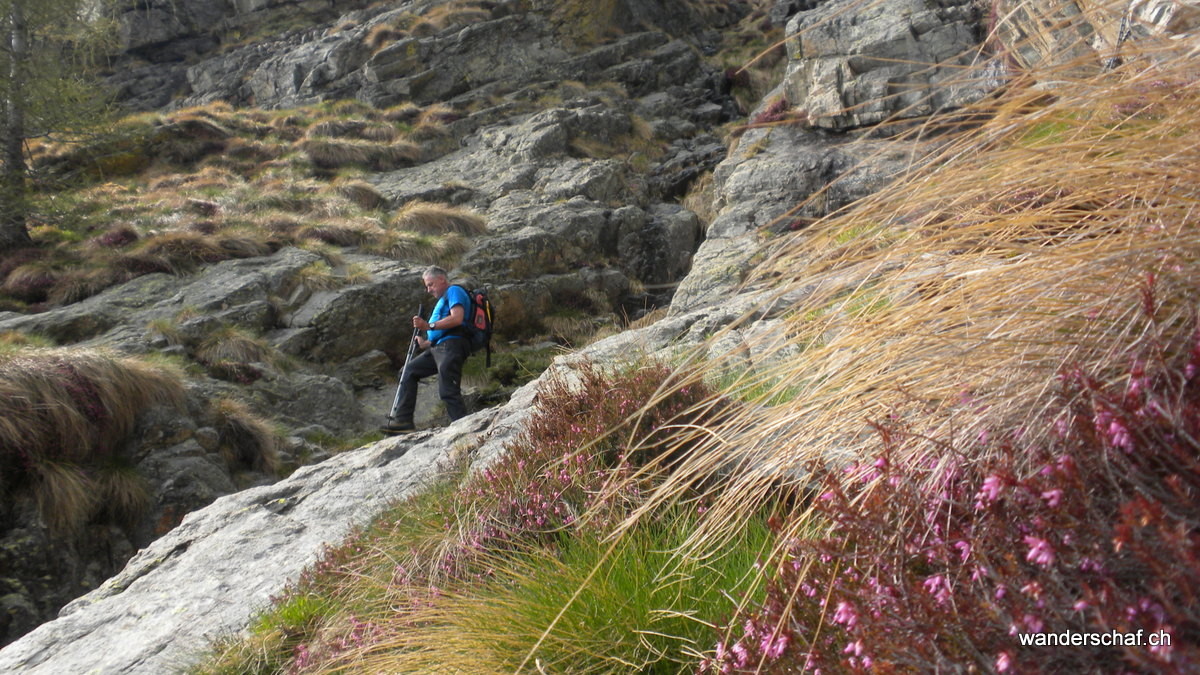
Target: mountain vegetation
(975,426)
(927,398)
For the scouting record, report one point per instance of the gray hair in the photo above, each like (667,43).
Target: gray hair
(434,271)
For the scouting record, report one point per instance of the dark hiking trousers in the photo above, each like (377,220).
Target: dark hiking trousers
(445,359)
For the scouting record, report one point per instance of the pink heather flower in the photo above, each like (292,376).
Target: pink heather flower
(720,652)
(846,615)
(938,588)
(1060,427)
(1052,497)
(1003,662)
(855,648)
(1080,606)
(1001,591)
(1120,436)
(740,655)
(1040,551)
(992,486)
(1135,386)
(964,549)
(774,648)
(1033,624)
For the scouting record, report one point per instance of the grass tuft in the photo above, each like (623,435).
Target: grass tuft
(247,442)
(330,154)
(63,414)
(435,219)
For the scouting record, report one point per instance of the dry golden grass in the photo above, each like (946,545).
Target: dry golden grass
(570,330)
(351,107)
(65,496)
(403,112)
(338,233)
(58,409)
(449,248)
(404,246)
(78,284)
(457,14)
(379,132)
(701,199)
(319,276)
(244,245)
(361,193)
(123,494)
(433,218)
(183,250)
(381,36)
(234,345)
(247,440)
(329,153)
(1022,247)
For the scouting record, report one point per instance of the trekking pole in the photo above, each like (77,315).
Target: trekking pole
(412,345)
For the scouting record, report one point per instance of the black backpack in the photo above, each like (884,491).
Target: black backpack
(477,324)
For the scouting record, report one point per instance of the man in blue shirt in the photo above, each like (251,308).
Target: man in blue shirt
(445,350)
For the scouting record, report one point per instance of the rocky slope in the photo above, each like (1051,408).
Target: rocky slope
(575,153)
(566,219)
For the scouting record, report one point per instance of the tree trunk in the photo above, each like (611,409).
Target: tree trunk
(13,210)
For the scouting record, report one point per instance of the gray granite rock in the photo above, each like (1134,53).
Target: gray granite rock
(853,64)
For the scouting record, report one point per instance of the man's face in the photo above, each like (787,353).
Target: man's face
(436,286)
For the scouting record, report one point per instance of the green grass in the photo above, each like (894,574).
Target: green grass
(632,606)
(336,444)
(1048,133)
(412,525)
(758,388)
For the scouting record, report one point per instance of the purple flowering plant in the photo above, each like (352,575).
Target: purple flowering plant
(946,565)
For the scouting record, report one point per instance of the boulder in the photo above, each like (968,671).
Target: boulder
(766,188)
(348,322)
(853,64)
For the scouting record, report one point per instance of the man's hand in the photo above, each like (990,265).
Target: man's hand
(420,324)
(422,343)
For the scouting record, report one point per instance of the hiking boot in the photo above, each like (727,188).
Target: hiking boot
(394,428)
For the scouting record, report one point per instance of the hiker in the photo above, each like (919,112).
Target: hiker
(445,349)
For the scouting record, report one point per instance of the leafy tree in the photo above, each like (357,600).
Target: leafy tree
(46,50)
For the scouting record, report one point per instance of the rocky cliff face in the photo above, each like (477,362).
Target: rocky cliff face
(578,128)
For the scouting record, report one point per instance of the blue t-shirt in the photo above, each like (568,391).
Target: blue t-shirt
(454,295)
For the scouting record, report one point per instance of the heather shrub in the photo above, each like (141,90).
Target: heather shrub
(1083,527)
(585,438)
(518,520)
(117,236)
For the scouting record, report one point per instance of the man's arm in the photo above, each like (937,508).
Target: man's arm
(457,314)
